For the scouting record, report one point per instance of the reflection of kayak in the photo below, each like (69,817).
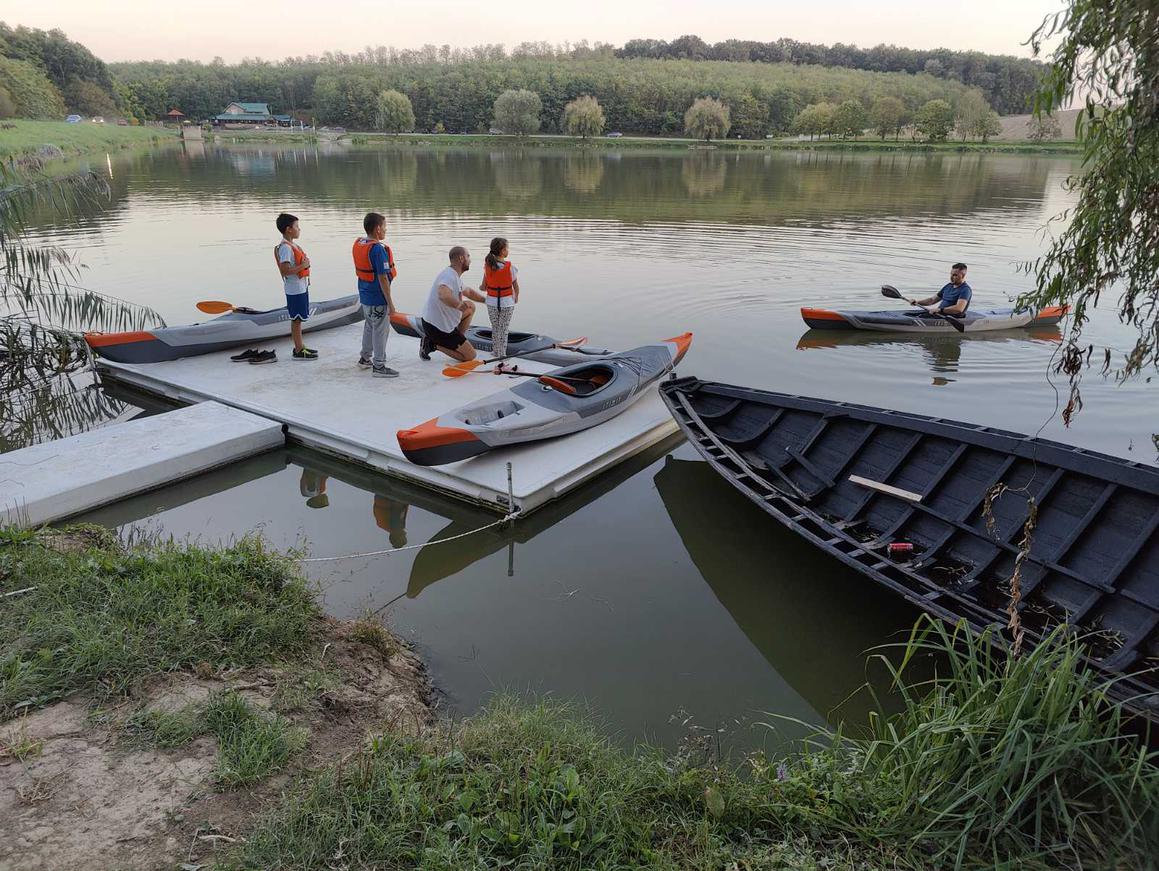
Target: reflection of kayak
(556,403)
(432,564)
(238,327)
(931,342)
(983,320)
(530,345)
(775,586)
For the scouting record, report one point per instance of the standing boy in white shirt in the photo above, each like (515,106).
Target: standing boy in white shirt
(294,266)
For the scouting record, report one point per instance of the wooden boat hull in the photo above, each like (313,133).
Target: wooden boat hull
(239,327)
(1094,559)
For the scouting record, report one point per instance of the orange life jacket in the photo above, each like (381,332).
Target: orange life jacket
(498,282)
(299,256)
(362,265)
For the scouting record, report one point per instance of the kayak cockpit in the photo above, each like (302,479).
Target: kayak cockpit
(581,381)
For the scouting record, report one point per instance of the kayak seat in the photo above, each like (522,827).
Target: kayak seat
(581,382)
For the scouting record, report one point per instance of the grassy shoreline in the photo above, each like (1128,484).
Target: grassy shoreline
(603,143)
(1019,763)
(56,140)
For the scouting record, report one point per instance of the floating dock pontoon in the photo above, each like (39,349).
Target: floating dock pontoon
(332,405)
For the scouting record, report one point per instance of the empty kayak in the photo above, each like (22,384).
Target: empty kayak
(238,327)
(553,404)
(912,321)
(533,346)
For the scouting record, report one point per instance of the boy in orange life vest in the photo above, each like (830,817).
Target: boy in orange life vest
(294,267)
(374,266)
(502,288)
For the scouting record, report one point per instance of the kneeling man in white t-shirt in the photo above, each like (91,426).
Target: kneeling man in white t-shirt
(447,313)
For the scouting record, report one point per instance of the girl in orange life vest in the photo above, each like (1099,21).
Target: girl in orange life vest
(294,267)
(501,284)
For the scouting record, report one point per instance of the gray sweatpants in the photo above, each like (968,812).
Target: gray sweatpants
(500,321)
(375,332)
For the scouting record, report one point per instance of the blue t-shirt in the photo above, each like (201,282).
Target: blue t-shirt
(370,292)
(950,295)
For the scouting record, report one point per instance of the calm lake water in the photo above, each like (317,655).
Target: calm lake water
(656,593)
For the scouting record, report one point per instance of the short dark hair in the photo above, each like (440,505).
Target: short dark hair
(961,266)
(285,221)
(372,222)
(457,251)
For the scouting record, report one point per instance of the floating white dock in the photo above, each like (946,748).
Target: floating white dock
(58,479)
(332,405)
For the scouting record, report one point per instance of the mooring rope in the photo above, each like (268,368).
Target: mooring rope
(507,518)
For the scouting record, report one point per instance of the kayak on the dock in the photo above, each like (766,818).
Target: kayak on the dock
(238,327)
(556,403)
(533,346)
(916,321)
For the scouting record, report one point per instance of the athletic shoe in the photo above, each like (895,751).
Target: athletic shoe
(245,356)
(384,372)
(305,354)
(364,363)
(425,348)
(264,357)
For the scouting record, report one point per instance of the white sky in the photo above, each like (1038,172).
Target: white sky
(163,29)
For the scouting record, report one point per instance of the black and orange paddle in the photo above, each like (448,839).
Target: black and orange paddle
(215,306)
(458,370)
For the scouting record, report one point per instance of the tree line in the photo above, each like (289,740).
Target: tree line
(43,73)
(1008,83)
(641,96)
(647,87)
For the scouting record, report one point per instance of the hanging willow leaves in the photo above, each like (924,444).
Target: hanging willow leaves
(47,385)
(1109,55)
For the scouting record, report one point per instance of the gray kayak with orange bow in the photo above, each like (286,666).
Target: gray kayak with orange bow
(238,327)
(533,346)
(919,321)
(556,403)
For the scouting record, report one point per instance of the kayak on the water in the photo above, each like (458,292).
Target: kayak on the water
(556,403)
(238,327)
(973,321)
(533,346)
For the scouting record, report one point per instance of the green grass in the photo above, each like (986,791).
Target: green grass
(252,744)
(993,765)
(478,140)
(25,139)
(103,616)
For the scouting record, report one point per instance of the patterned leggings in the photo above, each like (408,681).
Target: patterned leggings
(500,321)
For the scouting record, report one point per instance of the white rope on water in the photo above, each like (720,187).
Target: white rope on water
(507,518)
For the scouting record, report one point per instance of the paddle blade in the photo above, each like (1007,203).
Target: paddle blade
(461,369)
(890,291)
(214,306)
(571,343)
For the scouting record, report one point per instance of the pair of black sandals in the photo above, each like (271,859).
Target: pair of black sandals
(254,356)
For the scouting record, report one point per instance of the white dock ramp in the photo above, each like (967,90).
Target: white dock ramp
(58,479)
(331,404)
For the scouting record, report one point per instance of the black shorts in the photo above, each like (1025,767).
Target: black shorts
(451,341)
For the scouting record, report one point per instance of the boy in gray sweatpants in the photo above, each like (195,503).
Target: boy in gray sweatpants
(374,266)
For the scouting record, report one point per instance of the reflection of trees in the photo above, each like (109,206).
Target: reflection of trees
(583,173)
(704,174)
(399,172)
(757,189)
(517,175)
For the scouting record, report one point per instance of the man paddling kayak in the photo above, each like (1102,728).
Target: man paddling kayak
(952,299)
